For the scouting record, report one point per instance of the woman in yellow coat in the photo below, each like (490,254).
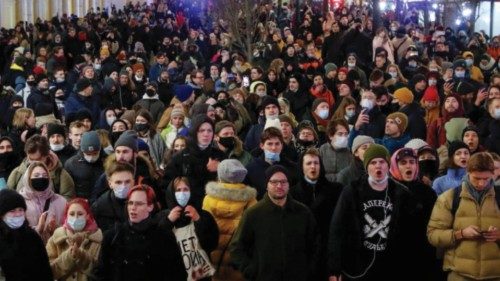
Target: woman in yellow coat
(74,247)
(226,200)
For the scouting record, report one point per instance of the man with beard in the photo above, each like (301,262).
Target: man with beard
(452,108)
(57,140)
(259,243)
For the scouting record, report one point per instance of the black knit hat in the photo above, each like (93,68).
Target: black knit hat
(470,128)
(10,200)
(454,146)
(275,169)
(53,129)
(82,84)
(267,100)
(40,77)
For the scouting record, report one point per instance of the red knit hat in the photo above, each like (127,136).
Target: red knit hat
(138,66)
(431,94)
(37,70)
(344,69)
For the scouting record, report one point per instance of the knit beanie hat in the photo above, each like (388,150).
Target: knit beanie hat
(401,120)
(40,77)
(273,169)
(82,84)
(53,129)
(330,67)
(361,140)
(267,100)
(287,119)
(344,69)
(454,128)
(470,128)
(138,66)
(10,200)
(416,144)
(20,60)
(128,139)
(307,125)
(454,146)
(404,95)
(459,63)
(431,94)
(316,103)
(375,151)
(177,112)
(183,92)
(90,142)
(464,88)
(104,51)
(231,171)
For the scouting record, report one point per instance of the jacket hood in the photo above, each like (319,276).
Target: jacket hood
(29,193)
(231,191)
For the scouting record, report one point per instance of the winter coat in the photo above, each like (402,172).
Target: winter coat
(252,139)
(143,252)
(153,105)
(299,102)
(452,179)
(227,202)
(376,127)
(334,160)
(155,70)
(331,50)
(84,174)
(22,254)
(109,210)
(37,97)
(37,200)
(62,182)
(351,173)
(77,102)
(256,173)
(276,243)
(346,252)
(67,152)
(401,46)
(417,128)
(63,264)
(471,258)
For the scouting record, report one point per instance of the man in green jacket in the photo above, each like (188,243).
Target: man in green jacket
(277,238)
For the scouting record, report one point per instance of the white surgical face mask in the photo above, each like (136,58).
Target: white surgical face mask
(91,158)
(469,62)
(77,224)
(339,142)
(121,191)
(272,117)
(182,197)
(271,156)
(496,114)
(323,114)
(393,74)
(366,103)
(109,149)
(350,113)
(97,66)
(56,147)
(14,222)
(110,120)
(60,79)
(261,93)
(382,181)
(351,64)
(432,82)
(460,74)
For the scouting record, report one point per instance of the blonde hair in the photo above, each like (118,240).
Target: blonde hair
(400,75)
(19,119)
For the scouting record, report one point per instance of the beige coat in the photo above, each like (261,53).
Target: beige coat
(475,259)
(64,266)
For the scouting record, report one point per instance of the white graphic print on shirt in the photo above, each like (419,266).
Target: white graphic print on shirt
(376,219)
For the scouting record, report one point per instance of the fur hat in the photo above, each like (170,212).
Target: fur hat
(231,171)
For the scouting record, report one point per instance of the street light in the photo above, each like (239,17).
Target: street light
(467,12)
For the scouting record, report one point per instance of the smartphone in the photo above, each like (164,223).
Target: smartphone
(246,81)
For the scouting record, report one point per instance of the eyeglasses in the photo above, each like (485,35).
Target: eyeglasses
(278,182)
(200,77)
(135,203)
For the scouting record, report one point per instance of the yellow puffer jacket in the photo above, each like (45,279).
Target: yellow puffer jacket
(64,266)
(476,259)
(227,202)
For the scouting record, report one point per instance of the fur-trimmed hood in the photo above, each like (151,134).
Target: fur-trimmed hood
(231,191)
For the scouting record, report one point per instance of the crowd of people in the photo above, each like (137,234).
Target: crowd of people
(142,143)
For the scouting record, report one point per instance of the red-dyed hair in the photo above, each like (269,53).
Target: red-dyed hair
(91,225)
(150,193)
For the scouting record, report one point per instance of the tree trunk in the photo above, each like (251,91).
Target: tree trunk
(377,21)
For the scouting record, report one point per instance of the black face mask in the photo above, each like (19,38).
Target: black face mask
(31,83)
(305,143)
(227,142)
(7,159)
(428,168)
(114,137)
(141,127)
(150,92)
(40,184)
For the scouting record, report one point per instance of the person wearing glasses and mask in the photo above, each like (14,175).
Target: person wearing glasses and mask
(258,249)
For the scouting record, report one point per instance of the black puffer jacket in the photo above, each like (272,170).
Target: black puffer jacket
(108,210)
(84,174)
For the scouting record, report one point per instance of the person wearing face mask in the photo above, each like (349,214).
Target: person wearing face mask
(110,207)
(82,98)
(60,85)
(57,139)
(74,247)
(150,101)
(229,143)
(181,213)
(430,103)
(318,116)
(45,208)
(107,117)
(40,94)
(270,154)
(370,121)
(335,154)
(353,64)
(236,197)
(475,72)
(458,157)
(375,216)
(23,255)
(26,91)
(490,126)
(138,247)
(270,110)
(87,165)
(145,131)
(175,127)
(404,169)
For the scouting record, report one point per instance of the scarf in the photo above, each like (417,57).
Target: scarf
(477,194)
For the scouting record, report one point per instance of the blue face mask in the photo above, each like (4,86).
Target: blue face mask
(272,156)
(182,197)
(460,74)
(77,224)
(14,222)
